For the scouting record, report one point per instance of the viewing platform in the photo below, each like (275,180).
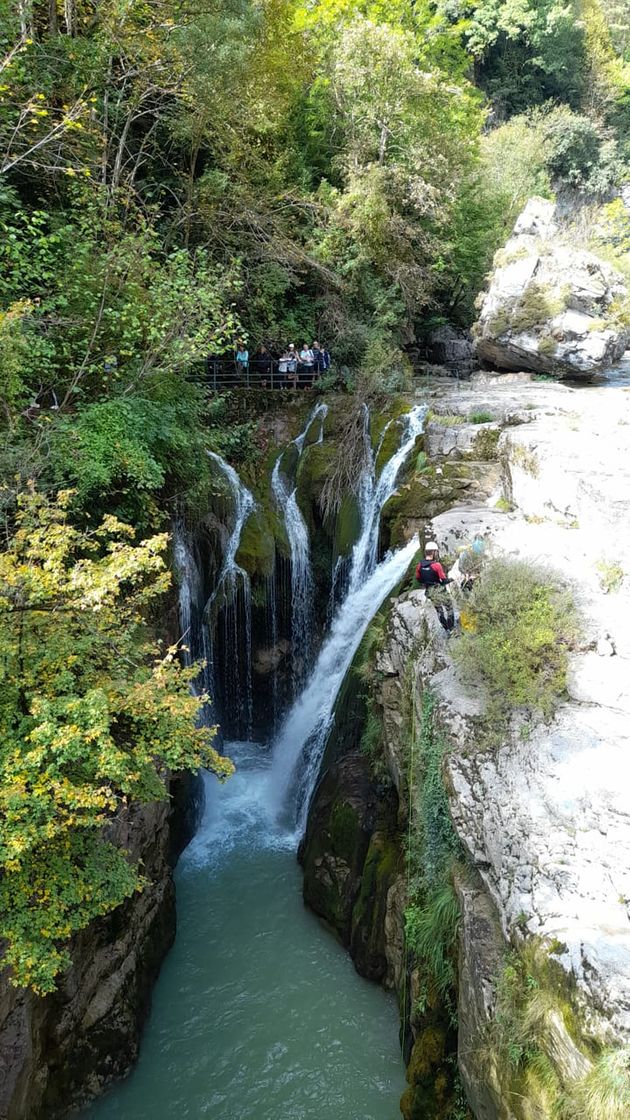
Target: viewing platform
(225,373)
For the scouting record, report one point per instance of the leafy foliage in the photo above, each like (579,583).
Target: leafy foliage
(92,714)
(521,624)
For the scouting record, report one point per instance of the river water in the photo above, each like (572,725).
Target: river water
(258,1014)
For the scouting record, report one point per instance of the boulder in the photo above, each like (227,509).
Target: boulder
(550,306)
(451,349)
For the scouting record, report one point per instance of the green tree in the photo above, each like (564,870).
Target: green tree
(528,51)
(93,714)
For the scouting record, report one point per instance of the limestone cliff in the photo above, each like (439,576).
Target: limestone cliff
(542,816)
(551,306)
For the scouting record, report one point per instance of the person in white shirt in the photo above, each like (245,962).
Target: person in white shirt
(307,362)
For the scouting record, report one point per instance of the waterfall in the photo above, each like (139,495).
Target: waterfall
(373,493)
(230,606)
(302,588)
(189,588)
(307,724)
(194,634)
(298,748)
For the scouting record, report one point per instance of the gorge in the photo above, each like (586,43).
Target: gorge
(235,1021)
(314,655)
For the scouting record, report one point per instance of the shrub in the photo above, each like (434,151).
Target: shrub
(576,152)
(610,576)
(547,346)
(448,420)
(536,306)
(523,623)
(431,932)
(513,160)
(385,369)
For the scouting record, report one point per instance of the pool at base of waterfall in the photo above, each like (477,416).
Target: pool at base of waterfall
(258,1013)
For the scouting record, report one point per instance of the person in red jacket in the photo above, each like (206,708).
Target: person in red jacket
(429,571)
(431,575)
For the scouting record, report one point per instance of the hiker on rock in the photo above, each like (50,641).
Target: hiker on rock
(431,575)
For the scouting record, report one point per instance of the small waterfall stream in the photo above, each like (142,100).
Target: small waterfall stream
(219,630)
(233,594)
(374,492)
(297,751)
(302,587)
(258,1014)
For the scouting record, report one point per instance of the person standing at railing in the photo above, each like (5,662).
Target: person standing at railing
(262,365)
(288,367)
(307,361)
(242,359)
(318,359)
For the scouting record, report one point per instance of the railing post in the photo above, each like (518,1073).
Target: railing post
(214,374)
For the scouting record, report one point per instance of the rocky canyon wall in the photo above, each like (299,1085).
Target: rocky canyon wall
(543,954)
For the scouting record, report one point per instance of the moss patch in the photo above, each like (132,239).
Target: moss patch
(344,828)
(314,468)
(347,525)
(486,443)
(382,864)
(257,549)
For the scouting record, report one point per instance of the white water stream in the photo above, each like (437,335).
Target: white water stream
(297,751)
(302,586)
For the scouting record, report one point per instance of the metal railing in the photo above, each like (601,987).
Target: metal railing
(225,373)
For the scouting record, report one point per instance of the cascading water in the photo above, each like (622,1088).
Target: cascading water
(190,585)
(193,631)
(230,605)
(373,493)
(302,587)
(304,732)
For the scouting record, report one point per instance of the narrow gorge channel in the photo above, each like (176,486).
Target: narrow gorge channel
(259,1013)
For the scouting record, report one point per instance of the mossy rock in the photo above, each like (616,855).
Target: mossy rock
(430,1092)
(486,444)
(315,466)
(428,1051)
(332,857)
(394,408)
(347,525)
(381,867)
(422,498)
(391,442)
(257,548)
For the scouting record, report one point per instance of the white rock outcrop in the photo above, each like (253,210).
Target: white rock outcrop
(550,305)
(546,818)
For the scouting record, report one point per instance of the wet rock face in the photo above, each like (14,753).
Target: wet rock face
(549,304)
(62,1049)
(337,838)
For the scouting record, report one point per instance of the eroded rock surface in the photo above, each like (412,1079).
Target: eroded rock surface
(550,305)
(544,815)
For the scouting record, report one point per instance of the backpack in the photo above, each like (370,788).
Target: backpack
(426,574)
